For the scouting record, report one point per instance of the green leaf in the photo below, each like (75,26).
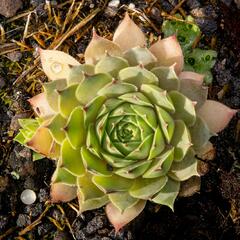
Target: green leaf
(111,184)
(158,144)
(71,159)
(184,107)
(75,129)
(134,170)
(200,134)
(158,96)
(160,165)
(116,161)
(37,156)
(89,87)
(116,89)
(145,188)
(166,122)
(167,194)
(181,171)
(137,76)
(181,140)
(168,80)
(56,128)
(61,175)
(122,200)
(87,188)
(136,98)
(139,55)
(94,164)
(92,139)
(111,65)
(52,95)
(68,101)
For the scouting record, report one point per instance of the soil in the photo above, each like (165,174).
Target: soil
(211,214)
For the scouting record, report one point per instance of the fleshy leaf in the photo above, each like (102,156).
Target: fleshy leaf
(190,186)
(216,115)
(56,63)
(191,86)
(145,188)
(76,121)
(111,65)
(62,193)
(184,108)
(200,133)
(168,51)
(181,140)
(168,80)
(61,175)
(128,34)
(94,164)
(41,141)
(94,84)
(122,200)
(168,193)
(139,56)
(181,171)
(71,159)
(111,184)
(119,219)
(41,106)
(98,47)
(137,76)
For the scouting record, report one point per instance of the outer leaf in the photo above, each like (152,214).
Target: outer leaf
(168,51)
(216,115)
(145,188)
(41,106)
(181,171)
(168,80)
(56,63)
(63,176)
(119,219)
(123,201)
(184,108)
(98,47)
(168,193)
(62,193)
(128,34)
(71,159)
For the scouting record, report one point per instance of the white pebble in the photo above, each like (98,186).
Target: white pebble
(131,6)
(28,196)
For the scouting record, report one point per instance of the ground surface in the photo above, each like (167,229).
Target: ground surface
(213,213)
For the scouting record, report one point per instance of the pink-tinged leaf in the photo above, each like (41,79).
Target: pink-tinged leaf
(41,106)
(98,47)
(196,77)
(62,193)
(216,115)
(41,141)
(191,85)
(129,35)
(56,64)
(168,51)
(119,219)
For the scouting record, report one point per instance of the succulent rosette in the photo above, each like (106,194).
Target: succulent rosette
(125,127)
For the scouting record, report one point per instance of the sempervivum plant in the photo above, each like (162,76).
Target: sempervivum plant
(125,127)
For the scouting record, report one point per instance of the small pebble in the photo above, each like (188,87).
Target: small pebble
(114,3)
(28,196)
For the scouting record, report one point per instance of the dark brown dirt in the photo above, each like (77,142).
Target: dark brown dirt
(212,214)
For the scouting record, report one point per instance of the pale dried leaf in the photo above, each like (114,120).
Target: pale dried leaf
(62,193)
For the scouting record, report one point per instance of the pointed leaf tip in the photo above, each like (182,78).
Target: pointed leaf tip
(56,63)
(128,34)
(168,51)
(41,106)
(118,219)
(216,115)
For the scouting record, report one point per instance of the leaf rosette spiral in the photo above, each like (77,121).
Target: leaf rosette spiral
(125,127)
